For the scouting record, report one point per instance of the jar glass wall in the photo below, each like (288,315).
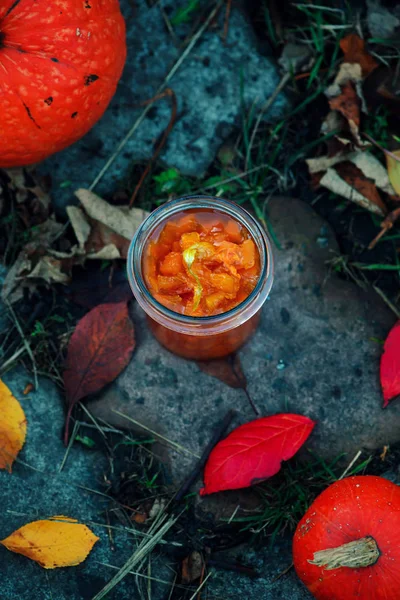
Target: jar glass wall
(203,337)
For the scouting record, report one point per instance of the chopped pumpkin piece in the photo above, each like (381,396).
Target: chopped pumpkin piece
(172,264)
(202,263)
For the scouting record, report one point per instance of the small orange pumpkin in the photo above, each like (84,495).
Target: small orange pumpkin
(60,62)
(347,545)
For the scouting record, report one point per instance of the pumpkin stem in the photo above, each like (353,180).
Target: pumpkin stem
(360,553)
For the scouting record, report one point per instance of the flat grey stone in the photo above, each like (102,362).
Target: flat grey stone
(208,92)
(36,490)
(315,353)
(274,583)
(382,22)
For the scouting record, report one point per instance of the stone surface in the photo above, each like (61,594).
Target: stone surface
(36,490)
(315,353)
(382,22)
(274,582)
(207,88)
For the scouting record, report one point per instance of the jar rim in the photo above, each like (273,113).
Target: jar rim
(134,263)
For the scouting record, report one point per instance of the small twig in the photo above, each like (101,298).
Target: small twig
(158,530)
(168,24)
(253,406)
(228,566)
(284,572)
(167,93)
(285,78)
(226,22)
(200,587)
(355,459)
(384,150)
(161,437)
(183,490)
(6,364)
(203,572)
(233,178)
(387,301)
(25,342)
(109,532)
(169,76)
(71,441)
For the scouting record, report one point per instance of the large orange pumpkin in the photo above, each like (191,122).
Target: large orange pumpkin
(60,62)
(347,545)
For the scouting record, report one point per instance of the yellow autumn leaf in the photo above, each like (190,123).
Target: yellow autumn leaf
(393,167)
(56,542)
(12,427)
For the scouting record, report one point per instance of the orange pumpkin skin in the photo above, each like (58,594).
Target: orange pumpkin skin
(348,510)
(60,62)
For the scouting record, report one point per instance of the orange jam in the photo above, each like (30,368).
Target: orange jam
(201,263)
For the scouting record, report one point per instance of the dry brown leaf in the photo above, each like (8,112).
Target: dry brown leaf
(33,201)
(103,230)
(80,224)
(348,181)
(56,542)
(348,104)
(102,236)
(393,167)
(12,427)
(121,220)
(371,167)
(49,270)
(192,567)
(29,270)
(347,72)
(354,51)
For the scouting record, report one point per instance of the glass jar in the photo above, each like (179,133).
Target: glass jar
(201,338)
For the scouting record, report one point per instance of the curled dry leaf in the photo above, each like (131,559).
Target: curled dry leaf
(355,176)
(12,427)
(56,542)
(35,264)
(349,182)
(102,227)
(33,202)
(390,366)
(353,48)
(99,349)
(254,451)
(348,104)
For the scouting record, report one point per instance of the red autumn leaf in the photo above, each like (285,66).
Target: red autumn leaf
(353,48)
(254,451)
(99,349)
(390,366)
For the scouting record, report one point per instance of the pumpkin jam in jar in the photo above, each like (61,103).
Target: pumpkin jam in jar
(201,268)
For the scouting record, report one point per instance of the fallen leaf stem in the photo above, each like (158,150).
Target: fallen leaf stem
(226,21)
(236,568)
(167,93)
(67,420)
(384,150)
(189,481)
